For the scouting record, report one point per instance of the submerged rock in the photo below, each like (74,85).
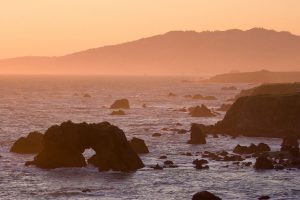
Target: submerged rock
(197,136)
(200,97)
(202,111)
(120,104)
(139,146)
(205,195)
(30,144)
(65,143)
(261,116)
(117,112)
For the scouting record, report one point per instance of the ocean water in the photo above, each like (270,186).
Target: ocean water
(34,103)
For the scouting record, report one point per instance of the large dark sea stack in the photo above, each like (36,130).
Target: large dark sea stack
(65,143)
(28,145)
(120,104)
(261,116)
(139,146)
(197,136)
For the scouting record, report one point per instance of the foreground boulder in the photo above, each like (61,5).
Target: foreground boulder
(139,146)
(65,143)
(205,195)
(261,116)
(202,111)
(28,145)
(120,104)
(197,136)
(261,147)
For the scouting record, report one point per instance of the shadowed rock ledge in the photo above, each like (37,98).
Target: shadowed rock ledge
(260,116)
(65,143)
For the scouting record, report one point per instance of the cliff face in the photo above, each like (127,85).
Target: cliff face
(261,116)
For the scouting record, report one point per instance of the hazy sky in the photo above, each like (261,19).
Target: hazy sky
(56,27)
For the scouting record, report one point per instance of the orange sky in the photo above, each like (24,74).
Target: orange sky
(57,27)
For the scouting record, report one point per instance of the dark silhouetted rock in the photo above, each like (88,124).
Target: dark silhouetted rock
(290,143)
(202,111)
(28,145)
(65,143)
(156,135)
(168,162)
(117,112)
(205,195)
(157,167)
(261,147)
(172,94)
(197,136)
(224,107)
(263,197)
(144,105)
(163,157)
(261,116)
(86,190)
(87,95)
(182,131)
(120,104)
(263,162)
(200,162)
(138,145)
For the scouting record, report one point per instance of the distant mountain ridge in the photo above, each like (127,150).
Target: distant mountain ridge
(175,53)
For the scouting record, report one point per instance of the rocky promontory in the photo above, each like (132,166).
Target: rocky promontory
(261,116)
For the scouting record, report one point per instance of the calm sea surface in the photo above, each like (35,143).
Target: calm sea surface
(37,102)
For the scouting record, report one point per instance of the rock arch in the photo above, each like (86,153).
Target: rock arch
(65,143)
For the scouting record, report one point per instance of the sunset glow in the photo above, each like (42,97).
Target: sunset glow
(55,27)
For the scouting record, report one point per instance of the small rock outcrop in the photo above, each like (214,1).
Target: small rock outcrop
(290,143)
(202,111)
(263,162)
(172,95)
(120,104)
(261,116)
(197,136)
(156,135)
(65,143)
(118,112)
(261,147)
(30,144)
(205,195)
(139,145)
